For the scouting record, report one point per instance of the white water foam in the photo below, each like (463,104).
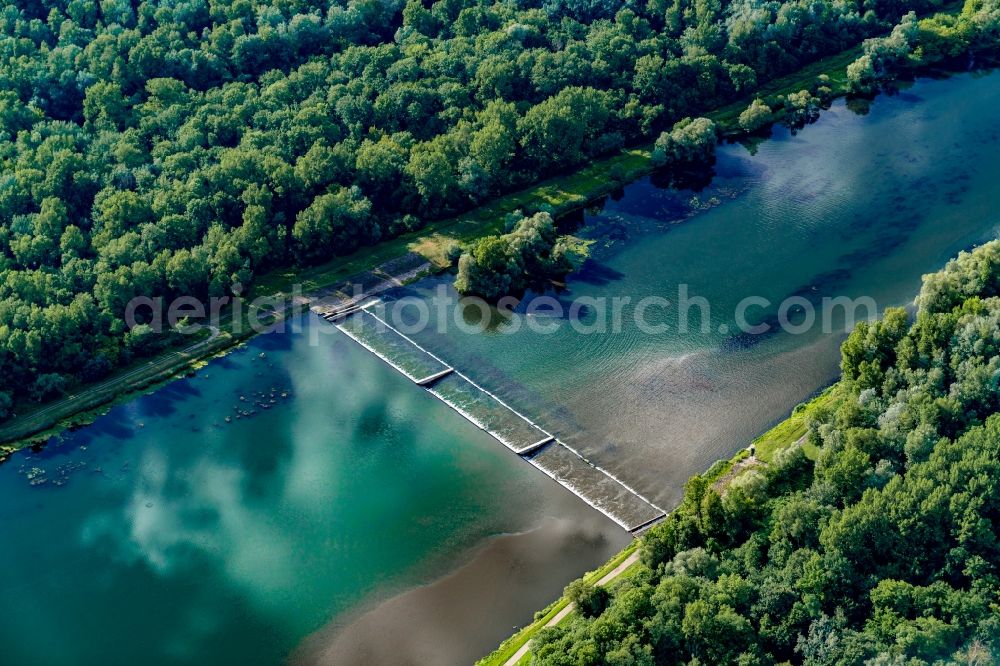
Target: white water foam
(377,353)
(482,426)
(611,476)
(580,493)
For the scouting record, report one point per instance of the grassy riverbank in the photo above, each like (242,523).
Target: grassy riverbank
(84,406)
(796,426)
(76,410)
(510,646)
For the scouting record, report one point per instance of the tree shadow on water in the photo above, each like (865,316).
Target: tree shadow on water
(692,177)
(274,341)
(595,273)
(164,402)
(109,426)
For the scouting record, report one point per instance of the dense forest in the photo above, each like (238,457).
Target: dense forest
(172,147)
(883,551)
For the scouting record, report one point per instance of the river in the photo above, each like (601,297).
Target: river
(355,518)
(852,206)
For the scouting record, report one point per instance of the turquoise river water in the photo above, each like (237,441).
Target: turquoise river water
(357,518)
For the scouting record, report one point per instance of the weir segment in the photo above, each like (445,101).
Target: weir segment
(591,483)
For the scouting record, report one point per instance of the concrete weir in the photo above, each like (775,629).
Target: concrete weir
(594,485)
(334,315)
(427,381)
(537,445)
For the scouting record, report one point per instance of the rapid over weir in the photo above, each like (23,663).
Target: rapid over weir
(594,485)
